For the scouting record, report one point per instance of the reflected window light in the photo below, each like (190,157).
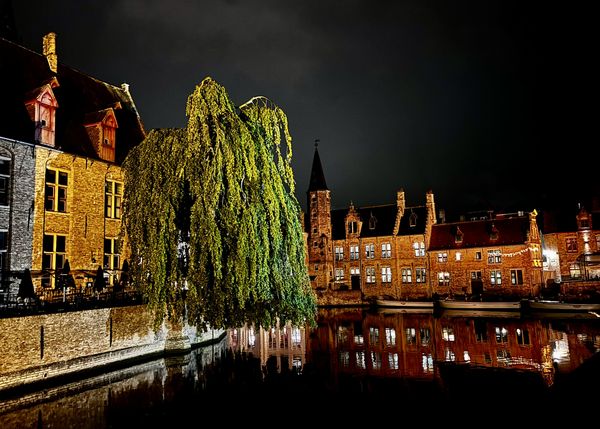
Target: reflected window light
(374,335)
(390,337)
(501,334)
(448,334)
(296,337)
(449,355)
(425,336)
(376,360)
(523,337)
(344,359)
(427,363)
(251,337)
(503,356)
(342,335)
(411,335)
(393,360)
(359,339)
(360,360)
(466,356)
(297,362)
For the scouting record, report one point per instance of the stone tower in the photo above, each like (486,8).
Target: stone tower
(320,245)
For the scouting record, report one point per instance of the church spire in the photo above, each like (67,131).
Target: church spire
(317,178)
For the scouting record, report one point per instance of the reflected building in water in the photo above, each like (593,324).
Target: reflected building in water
(284,345)
(413,345)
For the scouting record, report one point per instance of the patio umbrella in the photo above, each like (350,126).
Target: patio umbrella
(26,286)
(124,281)
(99,282)
(65,279)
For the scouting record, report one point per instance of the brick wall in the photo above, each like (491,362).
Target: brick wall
(77,341)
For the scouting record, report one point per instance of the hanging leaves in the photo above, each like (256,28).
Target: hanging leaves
(212,207)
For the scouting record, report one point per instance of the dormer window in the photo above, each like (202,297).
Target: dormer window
(458,237)
(372,222)
(352,227)
(41,105)
(101,128)
(412,220)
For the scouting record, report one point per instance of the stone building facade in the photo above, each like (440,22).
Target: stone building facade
(63,136)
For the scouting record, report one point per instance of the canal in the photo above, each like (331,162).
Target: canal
(352,365)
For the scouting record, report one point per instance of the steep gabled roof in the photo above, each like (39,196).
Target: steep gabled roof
(78,95)
(317,178)
(383,221)
(479,233)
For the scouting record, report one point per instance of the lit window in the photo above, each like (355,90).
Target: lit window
(56,190)
(353,253)
(54,253)
(427,363)
(496,277)
(478,256)
(575,270)
(393,360)
(4,181)
(448,334)
(339,274)
(386,250)
(355,271)
(421,275)
(370,274)
(516,277)
(458,256)
(339,253)
(370,251)
(476,275)
(442,257)
(406,275)
(501,334)
(113,198)
(112,258)
(494,256)
(443,278)
(571,244)
(386,274)
(352,227)
(419,248)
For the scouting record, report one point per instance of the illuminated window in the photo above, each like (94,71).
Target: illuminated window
(501,334)
(376,360)
(390,337)
(478,256)
(355,271)
(571,244)
(353,253)
(425,334)
(56,190)
(386,274)
(370,274)
(370,251)
(516,277)
(113,198)
(112,258)
(54,253)
(427,363)
(411,335)
(360,360)
(352,228)
(575,270)
(373,336)
(496,277)
(494,256)
(449,355)
(458,256)
(448,334)
(475,275)
(386,250)
(523,337)
(421,275)
(442,257)
(443,278)
(406,275)
(419,248)
(339,274)
(4,181)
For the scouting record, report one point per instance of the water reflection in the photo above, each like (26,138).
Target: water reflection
(351,356)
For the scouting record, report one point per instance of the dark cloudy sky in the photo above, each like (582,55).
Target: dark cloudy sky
(487,103)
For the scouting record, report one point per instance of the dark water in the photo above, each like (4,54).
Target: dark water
(354,366)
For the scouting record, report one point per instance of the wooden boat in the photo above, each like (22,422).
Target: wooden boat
(465,312)
(543,305)
(448,304)
(390,303)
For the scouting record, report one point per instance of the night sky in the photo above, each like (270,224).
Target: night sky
(465,98)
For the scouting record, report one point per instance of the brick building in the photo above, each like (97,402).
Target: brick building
(400,251)
(572,245)
(63,135)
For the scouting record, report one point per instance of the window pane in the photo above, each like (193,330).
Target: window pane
(5,167)
(48,245)
(63,178)
(118,188)
(50,176)
(46,262)
(60,261)
(60,243)
(107,245)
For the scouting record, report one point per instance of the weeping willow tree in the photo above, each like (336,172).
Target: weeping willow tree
(211,216)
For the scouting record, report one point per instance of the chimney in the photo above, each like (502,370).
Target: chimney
(49,51)
(400,201)
(430,204)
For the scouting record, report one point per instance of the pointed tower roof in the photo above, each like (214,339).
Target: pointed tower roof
(317,178)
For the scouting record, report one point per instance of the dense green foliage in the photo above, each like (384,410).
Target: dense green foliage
(212,206)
